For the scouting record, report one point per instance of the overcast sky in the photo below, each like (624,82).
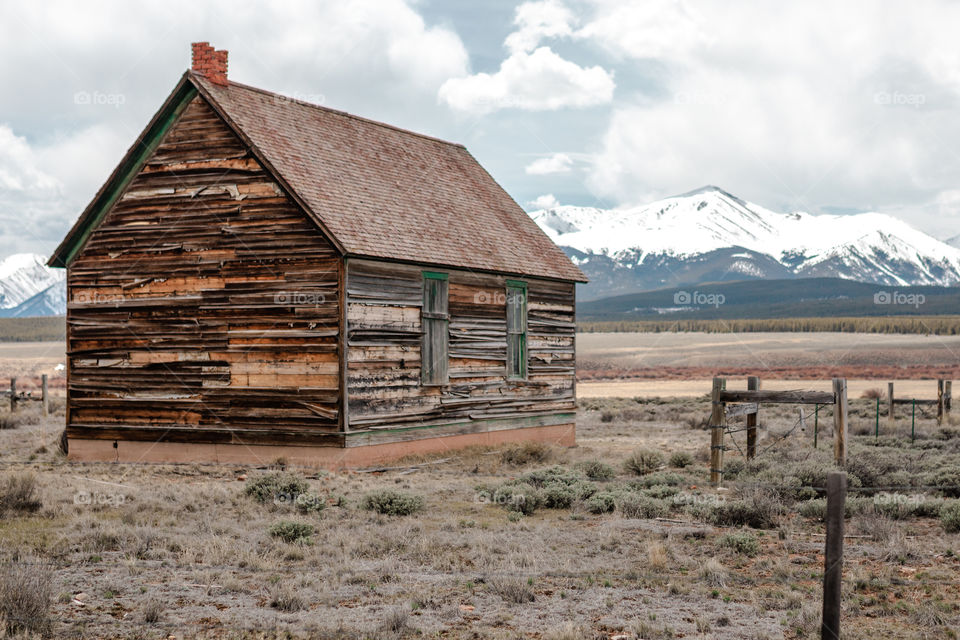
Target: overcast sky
(816,106)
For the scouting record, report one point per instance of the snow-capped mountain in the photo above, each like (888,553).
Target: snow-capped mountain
(711,235)
(30,288)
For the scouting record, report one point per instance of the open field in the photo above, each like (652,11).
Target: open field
(681,364)
(137,551)
(697,387)
(532,542)
(910,324)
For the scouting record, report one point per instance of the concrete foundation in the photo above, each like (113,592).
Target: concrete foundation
(333,458)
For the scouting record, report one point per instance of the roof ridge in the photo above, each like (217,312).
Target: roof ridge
(339,112)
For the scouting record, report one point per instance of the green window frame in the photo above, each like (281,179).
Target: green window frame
(516,330)
(435,323)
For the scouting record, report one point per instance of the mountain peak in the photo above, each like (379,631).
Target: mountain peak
(710,189)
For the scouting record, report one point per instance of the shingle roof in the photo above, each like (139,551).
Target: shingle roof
(385,192)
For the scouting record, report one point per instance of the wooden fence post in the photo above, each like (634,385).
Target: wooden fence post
(947,397)
(940,400)
(840,421)
(816,424)
(13,395)
(891,418)
(44,397)
(716,433)
(833,555)
(753,384)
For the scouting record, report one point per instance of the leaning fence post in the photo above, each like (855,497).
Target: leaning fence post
(833,555)
(753,384)
(13,395)
(890,415)
(44,397)
(716,433)
(840,421)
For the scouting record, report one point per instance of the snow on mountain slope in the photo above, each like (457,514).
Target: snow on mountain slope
(52,301)
(869,247)
(24,275)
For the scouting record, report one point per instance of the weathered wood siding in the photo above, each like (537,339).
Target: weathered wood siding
(384,337)
(204,307)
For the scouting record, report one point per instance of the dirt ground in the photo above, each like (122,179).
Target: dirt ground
(148,551)
(138,551)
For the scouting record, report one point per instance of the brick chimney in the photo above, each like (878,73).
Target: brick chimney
(209,63)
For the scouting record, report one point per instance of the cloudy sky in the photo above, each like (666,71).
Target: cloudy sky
(817,106)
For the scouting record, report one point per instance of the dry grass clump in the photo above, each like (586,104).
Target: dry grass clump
(285,598)
(19,492)
(395,621)
(874,393)
(526,453)
(152,612)
(635,505)
(568,631)
(393,503)
(19,419)
(512,589)
(26,592)
(643,461)
(597,470)
(658,557)
(742,542)
(273,487)
(681,460)
(714,574)
(757,508)
(292,532)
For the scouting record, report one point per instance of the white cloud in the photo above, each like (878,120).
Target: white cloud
(556,163)
(649,29)
(19,172)
(538,81)
(538,20)
(546,201)
(785,111)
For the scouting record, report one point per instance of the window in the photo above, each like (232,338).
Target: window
(516,330)
(435,321)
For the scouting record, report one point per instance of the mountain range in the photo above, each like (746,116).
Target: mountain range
(710,235)
(704,236)
(29,288)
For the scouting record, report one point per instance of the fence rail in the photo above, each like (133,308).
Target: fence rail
(18,397)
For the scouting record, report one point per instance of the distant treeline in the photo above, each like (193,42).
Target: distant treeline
(45,329)
(931,325)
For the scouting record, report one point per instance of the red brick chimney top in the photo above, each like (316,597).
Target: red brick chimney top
(209,63)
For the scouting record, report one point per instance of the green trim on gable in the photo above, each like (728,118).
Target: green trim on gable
(436,275)
(129,167)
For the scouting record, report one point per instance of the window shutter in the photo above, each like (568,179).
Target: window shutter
(516,330)
(435,321)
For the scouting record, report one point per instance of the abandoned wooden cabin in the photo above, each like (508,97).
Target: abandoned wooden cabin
(263,278)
